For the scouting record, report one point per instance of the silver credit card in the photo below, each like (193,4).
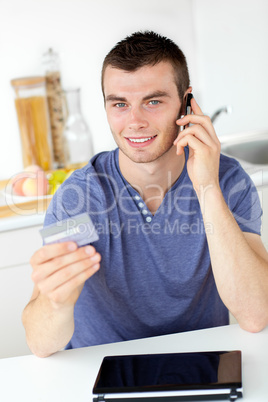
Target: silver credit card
(79,229)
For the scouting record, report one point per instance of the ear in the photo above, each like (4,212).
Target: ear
(188,91)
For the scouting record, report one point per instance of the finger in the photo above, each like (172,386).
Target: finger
(49,267)
(196,110)
(192,142)
(50,251)
(202,120)
(195,107)
(68,273)
(63,292)
(198,132)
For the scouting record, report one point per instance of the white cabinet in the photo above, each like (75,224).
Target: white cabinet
(17,247)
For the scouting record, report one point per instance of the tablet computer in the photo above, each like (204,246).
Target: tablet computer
(170,377)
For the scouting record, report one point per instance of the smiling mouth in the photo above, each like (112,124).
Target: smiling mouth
(141,140)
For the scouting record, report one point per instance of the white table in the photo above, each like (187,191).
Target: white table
(68,376)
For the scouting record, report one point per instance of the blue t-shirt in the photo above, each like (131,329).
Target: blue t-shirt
(155,276)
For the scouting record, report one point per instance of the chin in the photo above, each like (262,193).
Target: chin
(144,157)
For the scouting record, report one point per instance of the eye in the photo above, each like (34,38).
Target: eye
(154,102)
(120,104)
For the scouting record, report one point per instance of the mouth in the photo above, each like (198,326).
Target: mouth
(140,142)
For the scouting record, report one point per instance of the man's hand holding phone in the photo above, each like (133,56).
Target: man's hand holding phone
(204,149)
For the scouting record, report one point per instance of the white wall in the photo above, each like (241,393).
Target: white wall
(225,41)
(232,52)
(82,31)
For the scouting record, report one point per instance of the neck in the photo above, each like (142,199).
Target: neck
(152,180)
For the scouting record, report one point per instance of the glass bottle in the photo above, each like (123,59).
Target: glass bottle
(77,137)
(55,104)
(32,113)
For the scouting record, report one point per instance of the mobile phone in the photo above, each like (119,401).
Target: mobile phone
(170,377)
(188,109)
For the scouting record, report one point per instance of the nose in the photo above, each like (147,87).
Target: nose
(137,119)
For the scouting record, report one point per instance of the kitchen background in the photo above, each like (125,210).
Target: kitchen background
(225,41)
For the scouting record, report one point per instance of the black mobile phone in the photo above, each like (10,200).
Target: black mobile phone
(170,377)
(187,109)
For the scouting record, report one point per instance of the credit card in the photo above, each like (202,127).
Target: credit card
(79,229)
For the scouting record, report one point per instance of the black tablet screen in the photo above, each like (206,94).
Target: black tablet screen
(173,371)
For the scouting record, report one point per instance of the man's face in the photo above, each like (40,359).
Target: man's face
(142,108)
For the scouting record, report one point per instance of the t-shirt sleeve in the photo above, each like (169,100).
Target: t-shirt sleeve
(242,198)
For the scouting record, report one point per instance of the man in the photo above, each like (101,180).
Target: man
(179,224)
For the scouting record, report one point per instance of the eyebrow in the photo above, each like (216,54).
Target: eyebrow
(114,98)
(156,94)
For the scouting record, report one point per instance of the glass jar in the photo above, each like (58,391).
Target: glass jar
(32,113)
(55,104)
(77,137)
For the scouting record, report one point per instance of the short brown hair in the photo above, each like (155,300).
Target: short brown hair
(145,49)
